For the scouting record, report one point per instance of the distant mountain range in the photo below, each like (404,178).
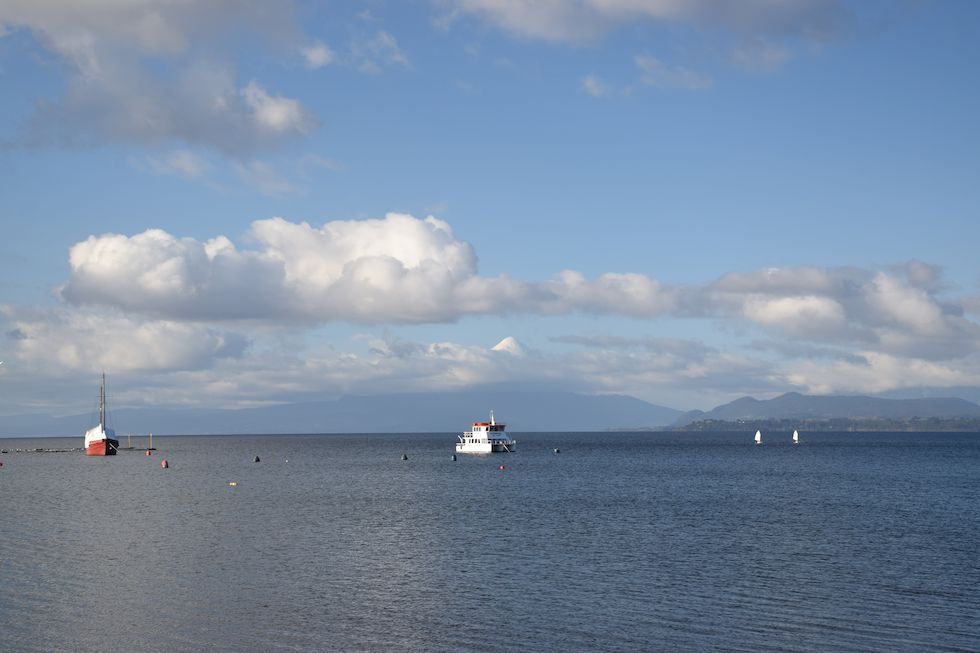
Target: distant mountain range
(394,413)
(794,405)
(435,412)
(969,393)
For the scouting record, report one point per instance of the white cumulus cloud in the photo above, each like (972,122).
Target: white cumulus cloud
(276,114)
(87,340)
(895,302)
(893,311)
(878,372)
(796,314)
(398,269)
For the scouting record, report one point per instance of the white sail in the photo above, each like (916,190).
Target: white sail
(796,437)
(758,437)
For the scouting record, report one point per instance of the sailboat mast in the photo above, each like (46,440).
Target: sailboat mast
(102,402)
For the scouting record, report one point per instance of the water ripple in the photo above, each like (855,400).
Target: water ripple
(625,542)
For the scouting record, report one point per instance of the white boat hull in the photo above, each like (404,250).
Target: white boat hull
(507,446)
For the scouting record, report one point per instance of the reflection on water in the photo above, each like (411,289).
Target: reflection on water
(623,542)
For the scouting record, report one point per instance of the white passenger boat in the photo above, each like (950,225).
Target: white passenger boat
(486,437)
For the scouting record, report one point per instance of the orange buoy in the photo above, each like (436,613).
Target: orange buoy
(164,463)
(501,468)
(147,452)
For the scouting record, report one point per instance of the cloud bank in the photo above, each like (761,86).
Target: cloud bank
(85,340)
(208,319)
(164,363)
(398,269)
(227,321)
(404,270)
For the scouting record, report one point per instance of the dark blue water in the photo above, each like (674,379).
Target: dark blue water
(622,542)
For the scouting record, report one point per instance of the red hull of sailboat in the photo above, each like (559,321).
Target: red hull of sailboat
(102,448)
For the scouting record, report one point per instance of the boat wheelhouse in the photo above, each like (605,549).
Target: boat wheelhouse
(486,437)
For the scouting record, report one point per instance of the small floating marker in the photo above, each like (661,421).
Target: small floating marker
(232,483)
(404,457)
(557,450)
(501,468)
(454,459)
(255,460)
(148,452)
(164,464)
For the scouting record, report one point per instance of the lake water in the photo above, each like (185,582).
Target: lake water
(622,542)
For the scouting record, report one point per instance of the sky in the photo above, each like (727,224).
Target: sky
(239,203)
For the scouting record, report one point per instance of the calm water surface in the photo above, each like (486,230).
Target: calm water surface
(622,542)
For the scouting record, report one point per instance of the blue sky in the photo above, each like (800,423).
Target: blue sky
(683,201)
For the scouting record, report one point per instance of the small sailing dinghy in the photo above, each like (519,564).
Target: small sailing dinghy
(796,437)
(758,437)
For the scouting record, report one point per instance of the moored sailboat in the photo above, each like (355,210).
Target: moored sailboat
(99,440)
(796,437)
(758,437)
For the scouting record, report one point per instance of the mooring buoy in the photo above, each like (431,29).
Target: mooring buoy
(454,457)
(404,457)
(255,460)
(557,450)
(164,464)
